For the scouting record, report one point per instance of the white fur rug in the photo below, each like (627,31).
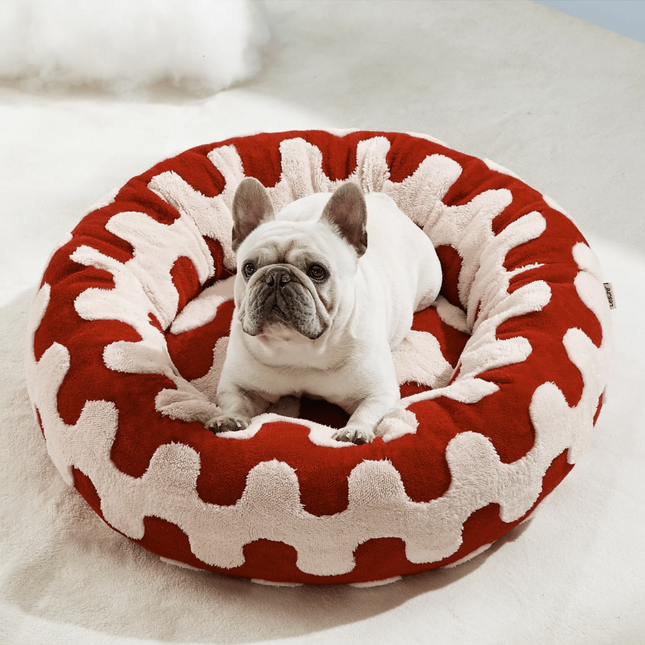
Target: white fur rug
(558,101)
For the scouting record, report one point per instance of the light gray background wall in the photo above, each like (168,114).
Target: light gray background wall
(626,17)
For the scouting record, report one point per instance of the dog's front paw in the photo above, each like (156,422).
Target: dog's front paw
(226,423)
(354,434)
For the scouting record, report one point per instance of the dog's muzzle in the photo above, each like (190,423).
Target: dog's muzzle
(277,295)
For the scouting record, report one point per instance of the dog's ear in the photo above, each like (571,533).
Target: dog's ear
(251,207)
(346,211)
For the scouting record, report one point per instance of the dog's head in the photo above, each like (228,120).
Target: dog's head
(296,269)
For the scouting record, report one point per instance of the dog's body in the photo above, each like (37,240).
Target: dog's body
(318,309)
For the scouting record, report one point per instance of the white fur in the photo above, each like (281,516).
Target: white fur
(201,45)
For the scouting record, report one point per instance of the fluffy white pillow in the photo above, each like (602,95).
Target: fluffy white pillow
(122,45)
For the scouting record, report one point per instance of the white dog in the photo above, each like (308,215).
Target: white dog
(325,289)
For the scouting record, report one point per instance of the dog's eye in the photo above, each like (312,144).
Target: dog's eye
(248,269)
(317,273)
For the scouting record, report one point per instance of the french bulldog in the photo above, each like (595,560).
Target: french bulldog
(324,290)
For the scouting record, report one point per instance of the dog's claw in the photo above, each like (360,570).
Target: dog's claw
(227,424)
(354,435)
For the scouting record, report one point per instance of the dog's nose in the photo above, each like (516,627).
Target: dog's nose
(277,276)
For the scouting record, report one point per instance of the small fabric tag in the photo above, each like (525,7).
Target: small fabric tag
(609,290)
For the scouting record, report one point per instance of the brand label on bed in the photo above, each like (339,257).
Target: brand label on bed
(609,290)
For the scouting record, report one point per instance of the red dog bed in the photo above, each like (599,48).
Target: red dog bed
(501,379)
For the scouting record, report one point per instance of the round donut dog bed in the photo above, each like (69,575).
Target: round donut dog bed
(501,379)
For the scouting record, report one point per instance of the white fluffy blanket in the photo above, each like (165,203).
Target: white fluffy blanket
(558,101)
